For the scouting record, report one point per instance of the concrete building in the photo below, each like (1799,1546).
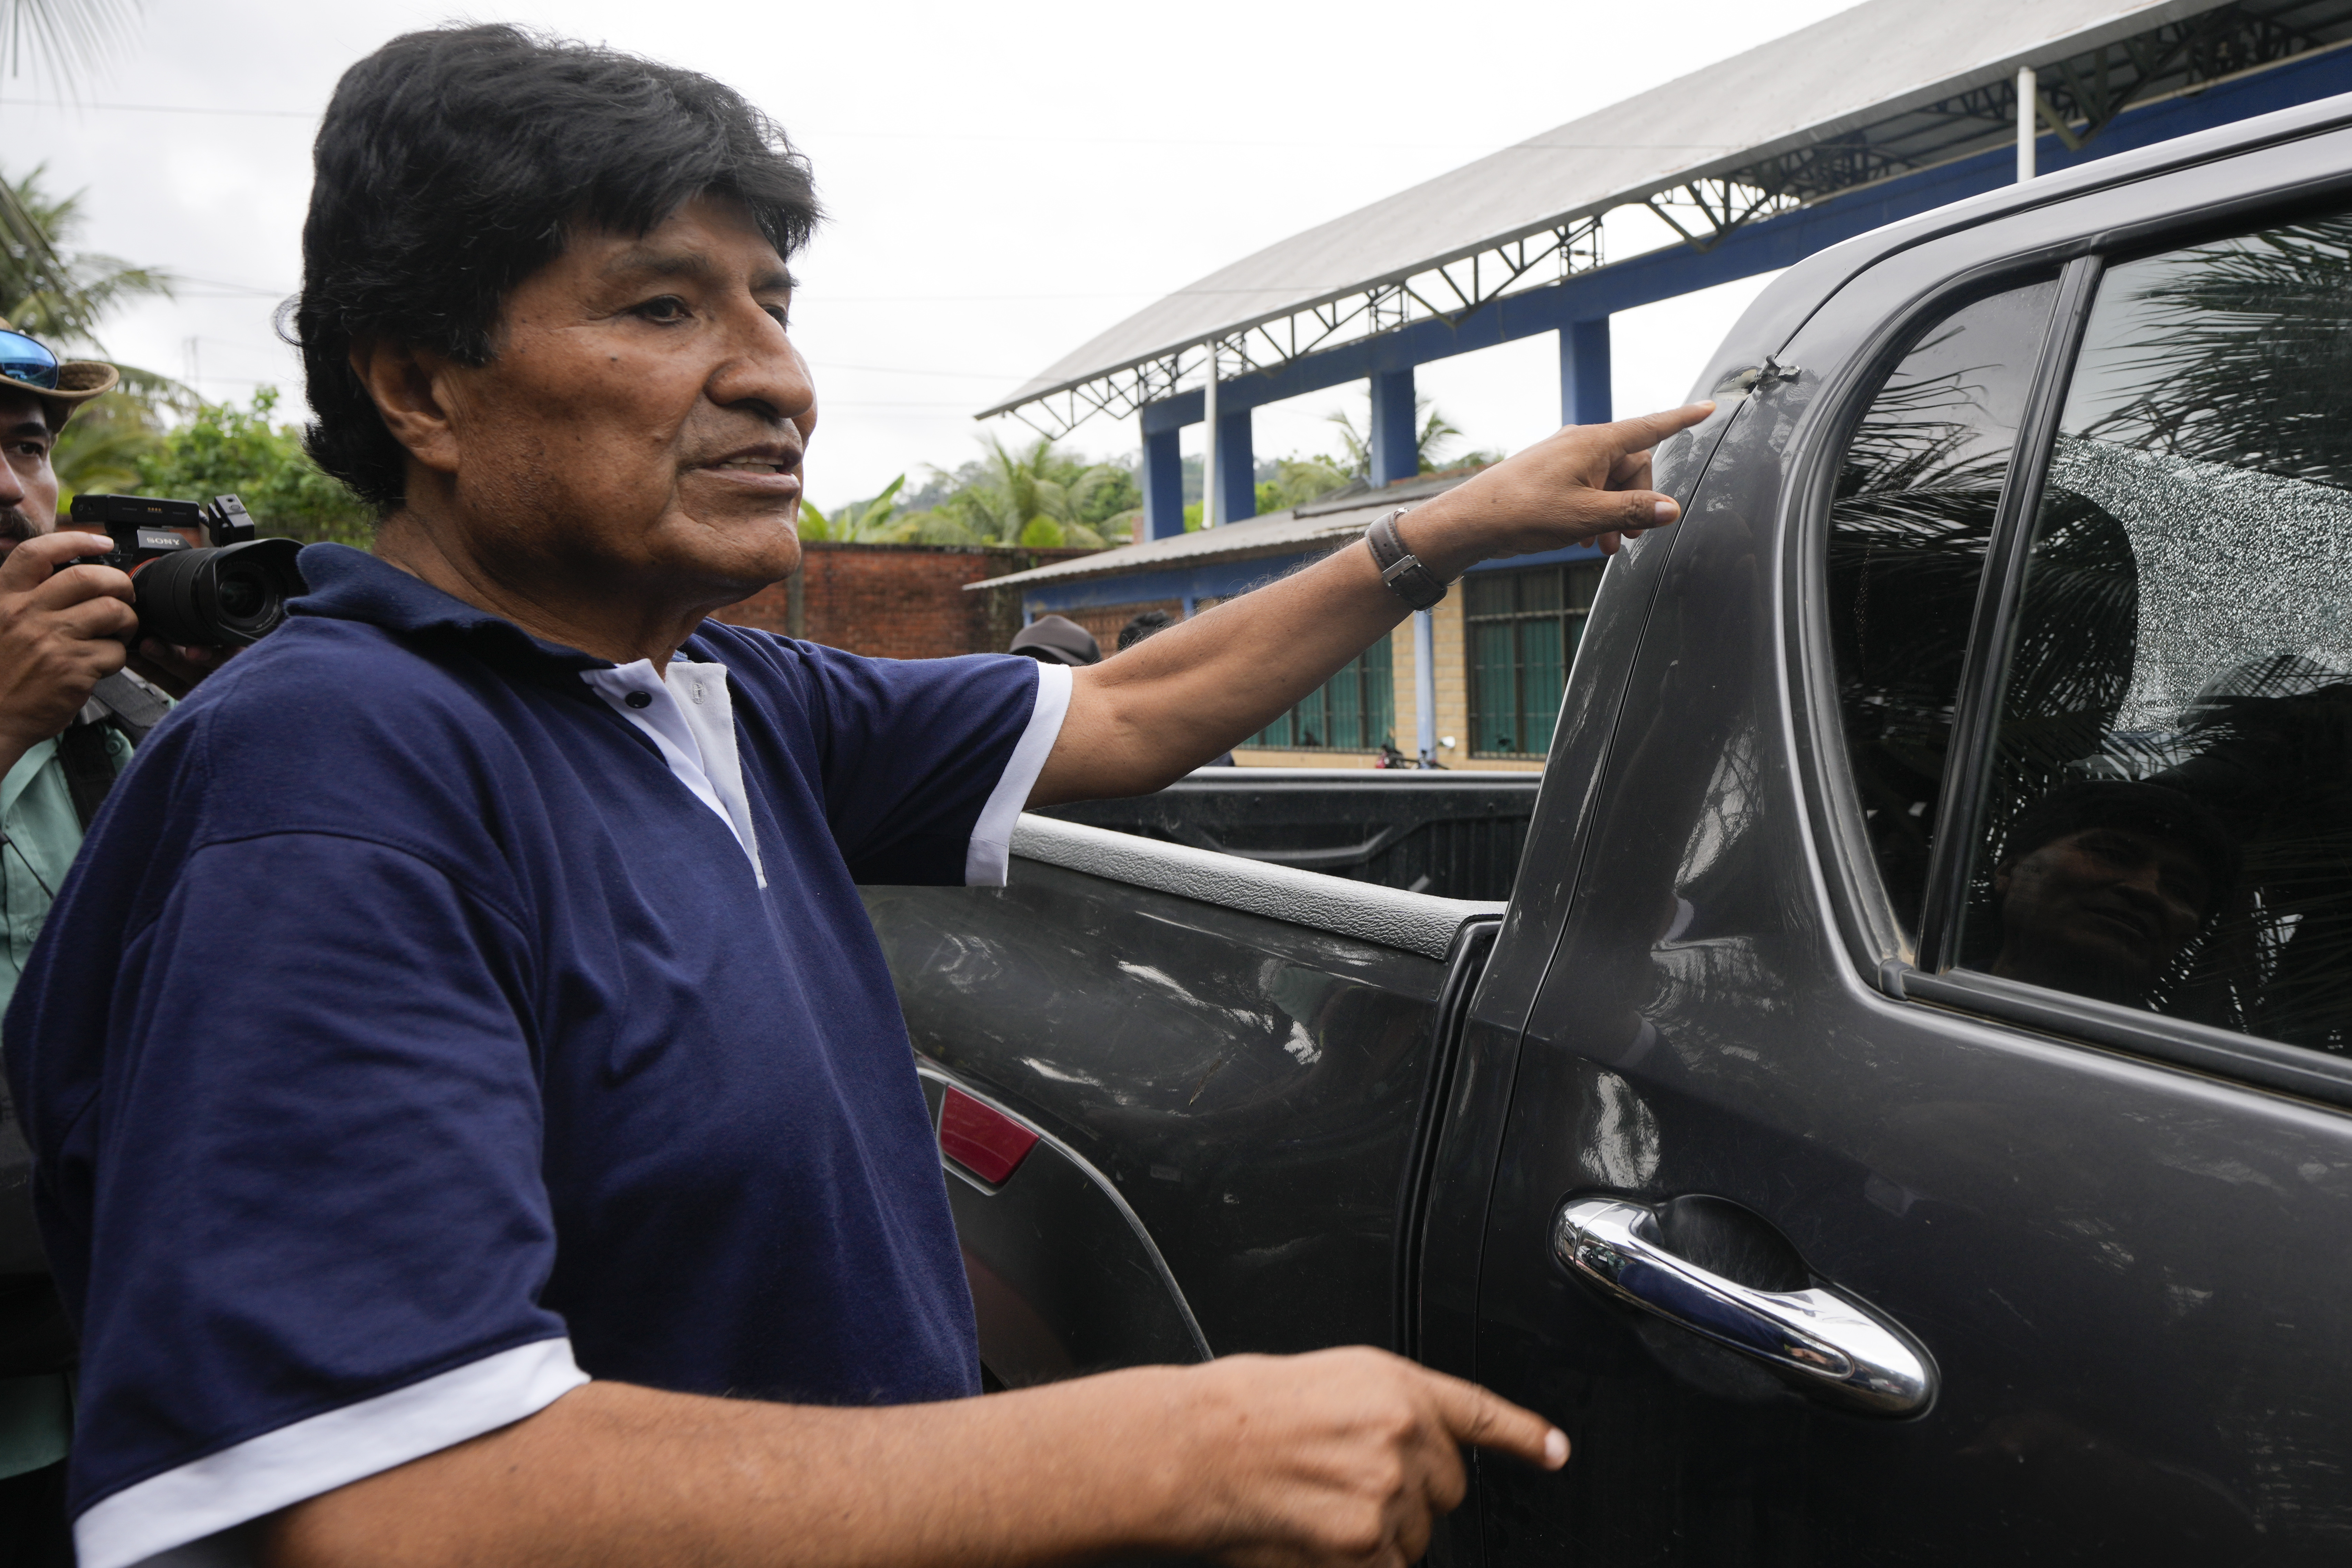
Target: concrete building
(1879,114)
(1497,648)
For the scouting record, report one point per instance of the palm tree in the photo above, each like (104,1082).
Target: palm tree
(66,39)
(1436,435)
(2240,355)
(60,296)
(1297,480)
(865,523)
(99,451)
(1033,497)
(62,301)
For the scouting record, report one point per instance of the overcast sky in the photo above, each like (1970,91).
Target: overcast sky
(1004,180)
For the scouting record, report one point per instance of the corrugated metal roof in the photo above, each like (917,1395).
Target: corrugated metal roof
(1872,64)
(1317,525)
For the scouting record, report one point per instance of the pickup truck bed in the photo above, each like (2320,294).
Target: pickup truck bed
(1457,834)
(1241,1054)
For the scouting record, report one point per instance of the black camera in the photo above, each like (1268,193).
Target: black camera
(222,595)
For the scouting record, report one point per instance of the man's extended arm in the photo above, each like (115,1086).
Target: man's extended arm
(1144,719)
(1343,1457)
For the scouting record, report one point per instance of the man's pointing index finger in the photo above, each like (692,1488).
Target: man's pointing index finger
(1646,430)
(1476,1416)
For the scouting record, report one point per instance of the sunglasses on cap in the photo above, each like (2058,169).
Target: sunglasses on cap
(24,360)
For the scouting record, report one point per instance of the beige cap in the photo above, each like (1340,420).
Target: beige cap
(78,381)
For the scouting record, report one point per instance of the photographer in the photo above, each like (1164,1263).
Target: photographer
(68,719)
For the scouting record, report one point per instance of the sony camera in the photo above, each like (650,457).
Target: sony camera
(225,595)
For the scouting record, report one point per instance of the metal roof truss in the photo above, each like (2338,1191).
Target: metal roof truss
(2078,98)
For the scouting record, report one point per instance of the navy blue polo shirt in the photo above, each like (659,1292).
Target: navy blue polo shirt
(410,1042)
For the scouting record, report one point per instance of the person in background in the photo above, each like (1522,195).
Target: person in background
(1143,626)
(62,631)
(1052,639)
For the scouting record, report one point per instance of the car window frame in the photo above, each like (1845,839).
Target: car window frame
(1875,930)
(1922,971)
(1975,711)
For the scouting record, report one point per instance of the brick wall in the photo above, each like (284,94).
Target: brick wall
(895,600)
(1105,620)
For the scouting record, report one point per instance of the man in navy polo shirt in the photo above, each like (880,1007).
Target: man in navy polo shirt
(473,1121)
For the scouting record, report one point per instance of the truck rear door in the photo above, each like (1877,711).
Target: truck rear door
(1929,1139)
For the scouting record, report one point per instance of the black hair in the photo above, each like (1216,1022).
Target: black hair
(1143,626)
(2153,809)
(452,165)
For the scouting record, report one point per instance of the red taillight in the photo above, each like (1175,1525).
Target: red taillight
(982,1139)
(985,1142)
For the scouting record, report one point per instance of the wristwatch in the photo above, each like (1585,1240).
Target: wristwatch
(1402,570)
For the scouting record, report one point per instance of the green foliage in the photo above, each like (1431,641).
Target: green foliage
(861,523)
(1437,434)
(2240,355)
(1298,480)
(1035,496)
(225,450)
(102,448)
(66,41)
(1355,459)
(65,38)
(59,295)
(1113,494)
(1026,496)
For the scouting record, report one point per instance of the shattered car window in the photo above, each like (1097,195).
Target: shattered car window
(2169,822)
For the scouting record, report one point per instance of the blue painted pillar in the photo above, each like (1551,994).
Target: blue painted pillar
(1163,484)
(1236,463)
(1584,373)
(1396,450)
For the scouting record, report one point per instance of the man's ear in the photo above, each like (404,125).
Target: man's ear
(409,386)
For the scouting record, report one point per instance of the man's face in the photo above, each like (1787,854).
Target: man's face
(2107,906)
(28,486)
(643,418)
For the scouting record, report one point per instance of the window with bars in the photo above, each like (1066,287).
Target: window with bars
(1523,628)
(1355,711)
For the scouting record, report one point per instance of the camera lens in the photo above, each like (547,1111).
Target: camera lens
(222,597)
(242,591)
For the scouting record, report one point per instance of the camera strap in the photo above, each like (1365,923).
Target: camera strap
(89,763)
(129,704)
(132,705)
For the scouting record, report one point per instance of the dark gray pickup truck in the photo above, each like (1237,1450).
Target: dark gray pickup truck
(1900,1113)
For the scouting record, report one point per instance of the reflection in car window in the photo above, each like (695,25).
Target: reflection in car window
(2169,823)
(1908,527)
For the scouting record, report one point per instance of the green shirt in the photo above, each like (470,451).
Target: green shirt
(43,834)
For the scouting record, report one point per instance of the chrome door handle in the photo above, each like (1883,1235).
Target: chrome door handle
(1835,1346)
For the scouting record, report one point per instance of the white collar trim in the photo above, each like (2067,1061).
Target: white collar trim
(689,715)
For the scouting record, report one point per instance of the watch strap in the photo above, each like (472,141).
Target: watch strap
(1402,570)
